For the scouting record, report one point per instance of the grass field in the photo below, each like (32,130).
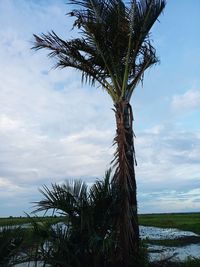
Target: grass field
(22,220)
(182,221)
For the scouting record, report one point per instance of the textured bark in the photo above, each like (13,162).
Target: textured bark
(124,178)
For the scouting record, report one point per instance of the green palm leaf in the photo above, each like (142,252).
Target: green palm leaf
(65,198)
(115,48)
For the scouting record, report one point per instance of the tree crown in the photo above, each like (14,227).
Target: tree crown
(114,48)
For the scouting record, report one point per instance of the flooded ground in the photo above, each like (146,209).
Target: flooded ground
(156,233)
(30,264)
(180,253)
(24,225)
(189,248)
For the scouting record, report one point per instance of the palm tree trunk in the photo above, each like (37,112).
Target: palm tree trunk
(124,178)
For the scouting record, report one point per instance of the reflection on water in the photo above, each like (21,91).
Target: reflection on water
(30,264)
(157,233)
(180,253)
(162,252)
(25,225)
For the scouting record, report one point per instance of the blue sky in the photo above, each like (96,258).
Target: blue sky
(53,128)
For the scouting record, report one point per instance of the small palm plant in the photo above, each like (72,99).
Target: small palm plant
(86,236)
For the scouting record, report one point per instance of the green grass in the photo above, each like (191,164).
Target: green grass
(182,221)
(22,220)
(190,262)
(177,242)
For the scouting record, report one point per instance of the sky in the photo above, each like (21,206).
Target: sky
(54,128)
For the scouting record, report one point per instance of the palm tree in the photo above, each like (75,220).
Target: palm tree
(113,51)
(86,236)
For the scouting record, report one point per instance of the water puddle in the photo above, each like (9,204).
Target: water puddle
(11,227)
(161,252)
(30,264)
(157,233)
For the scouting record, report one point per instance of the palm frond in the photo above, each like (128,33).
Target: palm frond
(63,198)
(115,42)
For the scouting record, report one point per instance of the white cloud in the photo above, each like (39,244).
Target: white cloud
(189,100)
(5,183)
(170,201)
(169,160)
(50,127)
(8,124)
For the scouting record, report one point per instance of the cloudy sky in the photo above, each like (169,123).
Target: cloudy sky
(52,127)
